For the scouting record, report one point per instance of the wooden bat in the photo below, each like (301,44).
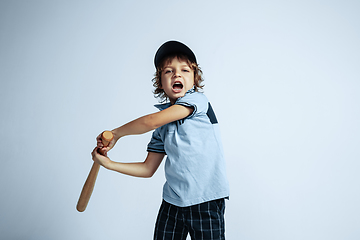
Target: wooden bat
(88,188)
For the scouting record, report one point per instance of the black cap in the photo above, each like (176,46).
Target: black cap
(173,47)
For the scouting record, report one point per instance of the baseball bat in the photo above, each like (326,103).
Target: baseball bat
(88,188)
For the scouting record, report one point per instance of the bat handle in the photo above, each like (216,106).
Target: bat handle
(106,137)
(88,188)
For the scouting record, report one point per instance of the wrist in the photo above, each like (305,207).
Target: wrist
(117,134)
(108,164)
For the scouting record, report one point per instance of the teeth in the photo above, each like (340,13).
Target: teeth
(177,86)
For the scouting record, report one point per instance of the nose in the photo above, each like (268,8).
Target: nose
(176,73)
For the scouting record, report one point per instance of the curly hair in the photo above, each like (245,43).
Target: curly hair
(198,79)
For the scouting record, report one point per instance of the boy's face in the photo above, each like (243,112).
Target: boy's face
(176,79)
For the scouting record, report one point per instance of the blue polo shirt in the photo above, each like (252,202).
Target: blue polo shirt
(195,167)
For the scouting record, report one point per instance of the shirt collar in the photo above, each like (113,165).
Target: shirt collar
(163,106)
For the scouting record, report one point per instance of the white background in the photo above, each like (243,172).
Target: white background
(282,76)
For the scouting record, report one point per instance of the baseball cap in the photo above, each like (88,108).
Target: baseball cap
(173,47)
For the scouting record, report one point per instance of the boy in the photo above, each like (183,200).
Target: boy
(186,130)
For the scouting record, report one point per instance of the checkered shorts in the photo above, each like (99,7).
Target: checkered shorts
(202,221)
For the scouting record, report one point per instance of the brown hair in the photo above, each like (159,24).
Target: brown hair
(198,79)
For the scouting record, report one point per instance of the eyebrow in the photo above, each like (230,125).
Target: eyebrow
(183,65)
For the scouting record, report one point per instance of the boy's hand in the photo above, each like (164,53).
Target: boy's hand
(101,146)
(103,160)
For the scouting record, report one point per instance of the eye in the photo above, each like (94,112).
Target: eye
(186,70)
(167,71)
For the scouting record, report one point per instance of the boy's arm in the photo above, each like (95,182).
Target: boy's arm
(152,121)
(139,126)
(147,123)
(139,169)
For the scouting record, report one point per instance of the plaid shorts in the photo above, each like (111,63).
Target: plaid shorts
(202,221)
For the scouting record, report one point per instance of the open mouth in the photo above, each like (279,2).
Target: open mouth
(177,87)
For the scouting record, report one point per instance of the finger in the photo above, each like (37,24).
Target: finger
(100,151)
(94,152)
(104,153)
(98,138)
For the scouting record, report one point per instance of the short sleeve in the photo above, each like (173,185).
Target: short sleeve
(196,100)
(156,144)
